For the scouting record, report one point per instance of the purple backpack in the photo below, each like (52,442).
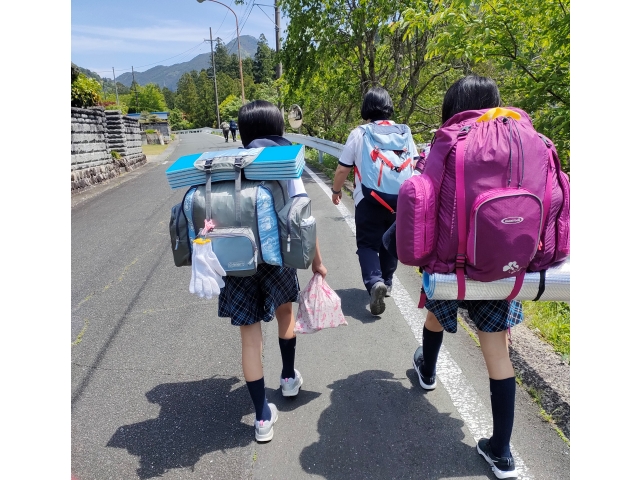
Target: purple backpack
(491,203)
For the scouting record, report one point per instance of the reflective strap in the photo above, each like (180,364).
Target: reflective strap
(382,202)
(207,197)
(238,198)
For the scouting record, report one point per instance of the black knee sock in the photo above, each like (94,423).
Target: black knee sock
(431,342)
(288,353)
(503,400)
(259,397)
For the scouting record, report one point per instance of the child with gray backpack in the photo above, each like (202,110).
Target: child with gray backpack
(250,300)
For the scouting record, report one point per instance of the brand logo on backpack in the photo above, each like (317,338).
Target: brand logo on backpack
(511,267)
(511,220)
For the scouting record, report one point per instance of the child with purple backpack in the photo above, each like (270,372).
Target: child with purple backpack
(493,318)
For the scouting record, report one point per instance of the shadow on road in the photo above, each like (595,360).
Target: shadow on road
(375,428)
(355,303)
(195,418)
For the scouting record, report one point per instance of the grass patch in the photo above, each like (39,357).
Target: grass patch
(155,149)
(551,321)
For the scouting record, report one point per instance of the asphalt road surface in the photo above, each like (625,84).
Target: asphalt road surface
(156,382)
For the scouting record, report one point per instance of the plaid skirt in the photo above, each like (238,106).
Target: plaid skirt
(248,300)
(488,315)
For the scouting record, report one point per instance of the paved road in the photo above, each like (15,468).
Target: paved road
(157,387)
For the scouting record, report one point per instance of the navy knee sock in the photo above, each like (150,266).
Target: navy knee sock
(431,342)
(503,400)
(259,397)
(288,353)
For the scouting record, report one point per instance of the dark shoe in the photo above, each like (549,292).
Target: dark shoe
(418,360)
(503,467)
(378,293)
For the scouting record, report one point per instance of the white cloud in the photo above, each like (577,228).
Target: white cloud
(154,33)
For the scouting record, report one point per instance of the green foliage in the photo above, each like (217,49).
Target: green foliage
(552,320)
(263,65)
(524,44)
(116,155)
(85,92)
(169,98)
(149,130)
(151,99)
(229,107)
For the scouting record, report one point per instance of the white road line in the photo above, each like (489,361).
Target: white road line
(466,400)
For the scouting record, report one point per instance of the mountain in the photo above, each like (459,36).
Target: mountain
(169,76)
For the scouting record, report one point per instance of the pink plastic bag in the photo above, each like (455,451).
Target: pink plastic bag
(319,307)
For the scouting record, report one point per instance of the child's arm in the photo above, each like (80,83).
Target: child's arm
(316,264)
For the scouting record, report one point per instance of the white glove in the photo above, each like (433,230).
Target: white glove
(206,271)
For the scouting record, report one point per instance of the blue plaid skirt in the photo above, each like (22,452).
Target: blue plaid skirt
(488,315)
(248,300)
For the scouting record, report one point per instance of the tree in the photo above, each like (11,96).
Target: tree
(187,96)
(221,57)
(525,45)
(169,98)
(263,65)
(229,107)
(206,111)
(151,99)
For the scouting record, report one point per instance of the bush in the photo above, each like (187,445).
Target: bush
(115,155)
(85,92)
(149,130)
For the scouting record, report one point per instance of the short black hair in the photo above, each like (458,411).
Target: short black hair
(377,105)
(470,93)
(259,119)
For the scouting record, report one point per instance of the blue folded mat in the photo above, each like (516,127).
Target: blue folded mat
(272,163)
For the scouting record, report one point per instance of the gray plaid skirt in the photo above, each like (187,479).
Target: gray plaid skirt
(488,315)
(248,300)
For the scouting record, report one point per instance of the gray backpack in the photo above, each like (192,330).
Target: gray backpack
(239,238)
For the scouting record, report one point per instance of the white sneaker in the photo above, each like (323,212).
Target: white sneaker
(264,428)
(291,386)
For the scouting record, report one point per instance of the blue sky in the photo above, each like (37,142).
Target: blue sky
(146,33)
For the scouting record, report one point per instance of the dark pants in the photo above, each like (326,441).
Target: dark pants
(233,134)
(376,263)
(226,135)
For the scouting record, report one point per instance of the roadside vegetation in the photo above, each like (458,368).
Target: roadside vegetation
(154,149)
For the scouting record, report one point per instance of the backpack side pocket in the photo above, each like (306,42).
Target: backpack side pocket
(297,233)
(179,233)
(416,220)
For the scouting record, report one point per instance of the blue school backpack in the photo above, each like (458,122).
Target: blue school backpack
(386,158)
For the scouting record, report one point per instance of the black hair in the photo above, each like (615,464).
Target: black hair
(259,119)
(470,93)
(376,105)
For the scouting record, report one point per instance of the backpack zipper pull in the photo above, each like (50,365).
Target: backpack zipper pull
(288,243)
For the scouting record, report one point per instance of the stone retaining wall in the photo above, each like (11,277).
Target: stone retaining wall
(95,133)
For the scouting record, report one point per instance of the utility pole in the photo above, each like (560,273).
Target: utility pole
(116,84)
(215,82)
(135,88)
(279,66)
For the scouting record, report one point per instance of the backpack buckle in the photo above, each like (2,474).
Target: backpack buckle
(464,130)
(461,260)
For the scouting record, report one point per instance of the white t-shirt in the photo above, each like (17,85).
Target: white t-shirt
(352,155)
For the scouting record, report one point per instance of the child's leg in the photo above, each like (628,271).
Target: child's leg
(432,334)
(286,339)
(495,350)
(251,336)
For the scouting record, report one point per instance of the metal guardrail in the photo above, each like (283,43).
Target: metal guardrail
(320,144)
(197,130)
